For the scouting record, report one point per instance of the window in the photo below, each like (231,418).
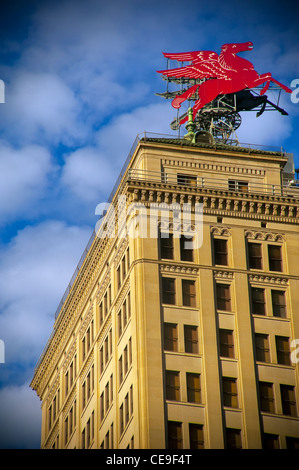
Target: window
(193,388)
(166,245)
(275,258)
(168,290)
(175,438)
(223,297)
(279,307)
(196,436)
(262,348)
(230,395)
(226,339)
(189,295)
(172,385)
(283,350)
(267,397)
(220,252)
(292,442)
(191,339)
(186,248)
(258,304)
(270,441)
(288,400)
(187,180)
(234,185)
(170,337)
(233,438)
(255,256)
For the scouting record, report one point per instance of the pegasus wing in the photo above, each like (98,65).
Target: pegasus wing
(198,69)
(187,56)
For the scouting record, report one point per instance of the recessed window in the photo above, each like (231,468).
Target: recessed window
(166,245)
(193,388)
(233,438)
(168,290)
(267,397)
(187,180)
(275,258)
(234,185)
(196,436)
(170,337)
(226,340)
(255,256)
(220,252)
(186,248)
(288,400)
(172,385)
(223,297)
(230,395)
(262,349)
(279,307)
(283,350)
(191,339)
(258,303)
(292,442)
(270,441)
(189,294)
(175,436)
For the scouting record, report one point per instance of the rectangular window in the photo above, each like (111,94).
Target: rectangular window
(230,395)
(292,442)
(275,258)
(279,307)
(283,350)
(262,348)
(288,400)
(267,397)
(233,438)
(186,248)
(234,185)
(168,290)
(196,436)
(187,180)
(166,245)
(191,339)
(121,419)
(226,338)
(255,256)
(189,294)
(175,436)
(220,252)
(170,337)
(172,385)
(270,441)
(258,303)
(223,297)
(193,388)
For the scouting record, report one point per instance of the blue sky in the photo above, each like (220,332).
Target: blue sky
(80,82)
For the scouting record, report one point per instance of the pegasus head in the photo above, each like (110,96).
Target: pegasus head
(237,47)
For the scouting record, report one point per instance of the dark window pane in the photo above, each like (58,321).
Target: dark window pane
(189,295)
(230,395)
(270,441)
(220,252)
(292,442)
(279,303)
(170,337)
(233,439)
(187,180)
(193,388)
(186,248)
(223,297)
(275,258)
(283,350)
(172,385)
(255,256)
(226,343)
(166,245)
(168,290)
(175,438)
(266,397)
(191,339)
(288,400)
(262,348)
(196,436)
(258,304)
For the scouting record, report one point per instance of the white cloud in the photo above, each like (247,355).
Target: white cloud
(35,269)
(20,418)
(23,178)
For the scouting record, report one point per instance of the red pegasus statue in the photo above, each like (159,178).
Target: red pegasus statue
(226,73)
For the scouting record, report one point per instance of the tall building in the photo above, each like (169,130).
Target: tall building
(163,345)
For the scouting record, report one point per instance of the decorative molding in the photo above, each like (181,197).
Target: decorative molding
(221,231)
(53,390)
(69,356)
(281,281)
(86,321)
(223,275)
(103,286)
(174,269)
(264,236)
(215,167)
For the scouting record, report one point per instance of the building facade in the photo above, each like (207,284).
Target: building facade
(160,344)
